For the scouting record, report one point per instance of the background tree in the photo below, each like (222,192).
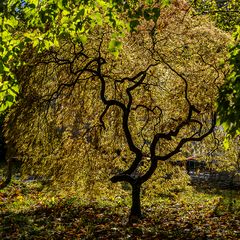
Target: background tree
(225,13)
(229,99)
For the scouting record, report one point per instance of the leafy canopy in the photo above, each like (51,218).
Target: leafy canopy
(229,99)
(181,81)
(225,13)
(42,24)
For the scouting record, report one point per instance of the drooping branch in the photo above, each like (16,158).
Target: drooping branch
(181,125)
(123,177)
(73,83)
(191,107)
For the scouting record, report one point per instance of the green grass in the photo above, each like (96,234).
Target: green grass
(30,211)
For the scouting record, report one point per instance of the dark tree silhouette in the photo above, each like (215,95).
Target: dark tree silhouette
(160,92)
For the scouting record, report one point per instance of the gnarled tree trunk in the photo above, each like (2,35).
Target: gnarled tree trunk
(135,212)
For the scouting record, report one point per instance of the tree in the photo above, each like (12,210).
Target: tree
(44,24)
(225,13)
(229,98)
(155,97)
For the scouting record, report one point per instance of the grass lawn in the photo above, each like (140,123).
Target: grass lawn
(29,211)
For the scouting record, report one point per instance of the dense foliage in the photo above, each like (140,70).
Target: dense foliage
(225,13)
(229,99)
(42,24)
(93,115)
(116,89)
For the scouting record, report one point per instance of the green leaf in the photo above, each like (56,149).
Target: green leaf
(80,13)
(114,47)
(149,2)
(56,42)
(226,143)
(134,24)
(156,14)
(165,2)
(98,19)
(47,44)
(1,68)
(11,22)
(35,2)
(62,4)
(83,39)
(65,12)
(35,42)
(9,98)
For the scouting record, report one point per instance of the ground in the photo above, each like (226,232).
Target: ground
(29,211)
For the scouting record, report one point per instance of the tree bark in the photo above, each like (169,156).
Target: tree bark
(8,175)
(135,213)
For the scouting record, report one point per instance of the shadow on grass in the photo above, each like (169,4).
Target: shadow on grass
(229,198)
(70,221)
(60,221)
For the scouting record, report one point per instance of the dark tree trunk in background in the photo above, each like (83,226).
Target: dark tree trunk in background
(8,175)
(135,213)
(2,143)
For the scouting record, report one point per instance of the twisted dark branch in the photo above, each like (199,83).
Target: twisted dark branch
(189,139)
(125,176)
(155,159)
(125,117)
(54,95)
